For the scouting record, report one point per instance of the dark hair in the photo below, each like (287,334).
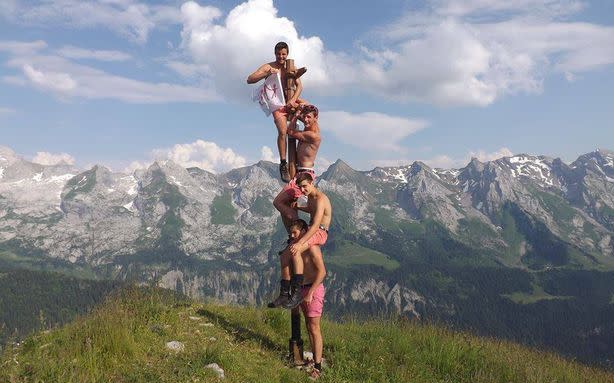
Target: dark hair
(304,176)
(281,45)
(300,224)
(310,109)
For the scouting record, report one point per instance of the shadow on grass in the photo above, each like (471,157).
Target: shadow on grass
(241,333)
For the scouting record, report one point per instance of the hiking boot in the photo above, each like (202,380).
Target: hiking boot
(296,298)
(284,295)
(281,300)
(283,171)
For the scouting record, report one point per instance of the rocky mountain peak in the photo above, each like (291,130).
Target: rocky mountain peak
(598,162)
(341,172)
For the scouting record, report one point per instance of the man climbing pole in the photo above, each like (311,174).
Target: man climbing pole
(307,149)
(291,93)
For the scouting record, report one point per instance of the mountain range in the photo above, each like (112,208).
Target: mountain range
(506,207)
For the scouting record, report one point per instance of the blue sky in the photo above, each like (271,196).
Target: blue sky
(124,82)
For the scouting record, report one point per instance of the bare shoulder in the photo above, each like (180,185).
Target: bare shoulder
(324,198)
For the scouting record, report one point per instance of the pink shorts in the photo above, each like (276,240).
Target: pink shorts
(292,189)
(318,238)
(314,309)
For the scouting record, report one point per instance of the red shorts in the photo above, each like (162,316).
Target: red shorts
(315,308)
(292,189)
(318,238)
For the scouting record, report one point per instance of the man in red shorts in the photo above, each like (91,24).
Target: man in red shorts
(280,116)
(306,151)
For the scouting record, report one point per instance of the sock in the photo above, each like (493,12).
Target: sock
(283,161)
(318,366)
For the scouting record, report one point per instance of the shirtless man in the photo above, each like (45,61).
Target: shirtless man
(312,292)
(280,116)
(320,212)
(307,149)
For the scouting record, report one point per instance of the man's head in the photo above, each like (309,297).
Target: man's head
(297,228)
(281,52)
(304,181)
(309,115)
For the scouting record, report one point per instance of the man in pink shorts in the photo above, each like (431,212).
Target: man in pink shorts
(312,306)
(312,290)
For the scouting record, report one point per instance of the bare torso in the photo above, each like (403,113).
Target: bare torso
(310,271)
(312,203)
(307,150)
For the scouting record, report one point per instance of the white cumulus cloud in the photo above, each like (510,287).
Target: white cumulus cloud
(46,158)
(266,154)
(203,154)
(370,131)
(485,156)
(254,26)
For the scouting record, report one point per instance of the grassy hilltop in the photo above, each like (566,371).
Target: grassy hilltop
(124,340)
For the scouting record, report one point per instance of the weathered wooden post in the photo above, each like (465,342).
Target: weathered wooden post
(295,346)
(290,89)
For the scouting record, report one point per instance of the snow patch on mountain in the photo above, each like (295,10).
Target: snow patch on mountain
(532,167)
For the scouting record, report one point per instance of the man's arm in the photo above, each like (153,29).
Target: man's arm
(318,264)
(308,137)
(297,93)
(260,73)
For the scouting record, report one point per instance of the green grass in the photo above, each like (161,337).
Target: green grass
(347,254)
(222,211)
(124,341)
(537,295)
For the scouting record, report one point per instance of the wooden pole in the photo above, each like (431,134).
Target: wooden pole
(290,89)
(295,345)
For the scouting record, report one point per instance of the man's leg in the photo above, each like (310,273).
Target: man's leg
(315,339)
(284,289)
(296,281)
(282,204)
(292,157)
(281,124)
